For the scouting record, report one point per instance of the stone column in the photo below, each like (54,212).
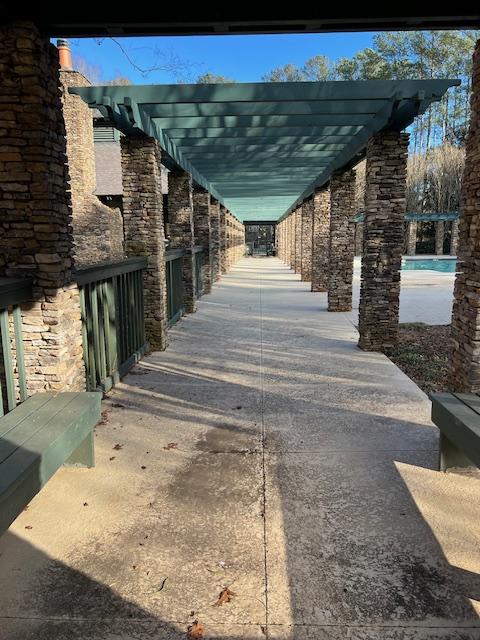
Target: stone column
(412,237)
(298,240)
(341,248)
(307,225)
(203,233)
(144,228)
(358,238)
(223,239)
(320,239)
(293,244)
(97,229)
(464,374)
(385,186)
(182,236)
(454,238)
(215,231)
(439,237)
(36,239)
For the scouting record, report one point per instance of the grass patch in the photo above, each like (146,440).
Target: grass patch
(422,353)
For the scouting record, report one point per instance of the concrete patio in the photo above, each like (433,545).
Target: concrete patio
(262,451)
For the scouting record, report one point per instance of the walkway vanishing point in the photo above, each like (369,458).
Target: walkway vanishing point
(263,452)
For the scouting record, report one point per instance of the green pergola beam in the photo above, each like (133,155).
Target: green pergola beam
(262,148)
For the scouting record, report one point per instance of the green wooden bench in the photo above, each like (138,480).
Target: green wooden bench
(40,435)
(457,415)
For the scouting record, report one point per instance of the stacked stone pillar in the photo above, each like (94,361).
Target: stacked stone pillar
(385,186)
(341,243)
(454,238)
(320,239)
(439,237)
(144,228)
(97,229)
(36,239)
(298,240)
(307,229)
(223,239)
(180,215)
(464,374)
(215,236)
(358,238)
(293,244)
(203,232)
(412,237)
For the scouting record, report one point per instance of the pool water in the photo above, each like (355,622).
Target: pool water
(446,265)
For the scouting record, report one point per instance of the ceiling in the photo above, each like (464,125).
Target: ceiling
(262,148)
(113,19)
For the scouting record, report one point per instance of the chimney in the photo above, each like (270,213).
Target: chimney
(64,55)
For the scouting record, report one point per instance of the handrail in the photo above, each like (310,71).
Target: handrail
(103,270)
(173,254)
(15,291)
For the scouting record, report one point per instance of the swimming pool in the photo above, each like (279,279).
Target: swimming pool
(445,265)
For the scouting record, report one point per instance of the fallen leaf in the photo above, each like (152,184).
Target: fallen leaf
(28,526)
(224,596)
(171,445)
(85,504)
(112,458)
(104,417)
(117,447)
(143,467)
(196,630)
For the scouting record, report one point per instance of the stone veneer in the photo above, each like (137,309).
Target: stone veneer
(341,244)
(297,267)
(223,239)
(182,235)
(454,238)
(358,238)
(385,185)
(439,237)
(307,228)
(201,224)
(215,238)
(35,208)
(320,239)
(97,229)
(293,244)
(464,374)
(412,226)
(144,228)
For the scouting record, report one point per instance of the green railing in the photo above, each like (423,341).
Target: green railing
(113,323)
(13,379)
(173,265)
(199,268)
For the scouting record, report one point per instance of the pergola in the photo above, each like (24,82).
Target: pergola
(261,149)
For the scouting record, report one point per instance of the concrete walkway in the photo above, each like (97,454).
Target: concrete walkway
(263,452)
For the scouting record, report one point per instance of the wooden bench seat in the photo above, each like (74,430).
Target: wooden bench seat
(39,436)
(457,415)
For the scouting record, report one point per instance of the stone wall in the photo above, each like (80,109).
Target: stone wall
(201,224)
(35,208)
(341,245)
(144,229)
(223,239)
(180,216)
(97,229)
(320,239)
(358,238)
(293,244)
(465,359)
(385,186)
(307,229)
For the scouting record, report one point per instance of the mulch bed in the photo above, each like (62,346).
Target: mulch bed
(422,353)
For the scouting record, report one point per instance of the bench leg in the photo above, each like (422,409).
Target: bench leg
(452,458)
(84,455)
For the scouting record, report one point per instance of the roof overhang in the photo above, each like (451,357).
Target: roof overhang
(111,19)
(263,148)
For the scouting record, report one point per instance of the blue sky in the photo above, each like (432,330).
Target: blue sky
(243,58)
